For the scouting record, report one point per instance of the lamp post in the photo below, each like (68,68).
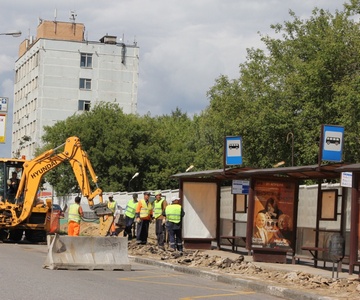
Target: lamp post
(280,163)
(189,168)
(134,176)
(13,34)
(291,135)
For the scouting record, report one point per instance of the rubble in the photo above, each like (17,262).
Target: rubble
(336,288)
(342,288)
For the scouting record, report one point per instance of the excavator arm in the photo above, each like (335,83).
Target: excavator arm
(35,169)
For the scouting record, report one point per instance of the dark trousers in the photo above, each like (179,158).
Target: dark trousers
(175,236)
(129,222)
(160,232)
(142,231)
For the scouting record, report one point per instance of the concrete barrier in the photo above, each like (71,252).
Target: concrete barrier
(87,253)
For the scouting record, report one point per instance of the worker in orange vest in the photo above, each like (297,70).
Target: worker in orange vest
(74,218)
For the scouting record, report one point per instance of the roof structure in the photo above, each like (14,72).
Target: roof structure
(329,171)
(349,168)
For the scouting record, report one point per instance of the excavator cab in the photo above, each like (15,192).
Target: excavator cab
(10,174)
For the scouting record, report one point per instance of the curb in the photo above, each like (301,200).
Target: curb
(272,290)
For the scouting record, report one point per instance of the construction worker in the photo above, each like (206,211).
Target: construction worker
(130,215)
(13,185)
(111,204)
(143,215)
(159,207)
(174,214)
(74,218)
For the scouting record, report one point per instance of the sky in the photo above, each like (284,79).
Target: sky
(185,45)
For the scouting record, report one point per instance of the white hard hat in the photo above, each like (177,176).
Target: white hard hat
(174,198)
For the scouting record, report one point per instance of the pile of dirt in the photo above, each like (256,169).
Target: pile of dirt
(342,288)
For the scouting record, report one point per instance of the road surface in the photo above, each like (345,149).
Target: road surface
(22,277)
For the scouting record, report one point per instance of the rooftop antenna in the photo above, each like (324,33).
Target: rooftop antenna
(73,15)
(55,14)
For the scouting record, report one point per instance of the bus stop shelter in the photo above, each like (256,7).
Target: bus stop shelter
(201,198)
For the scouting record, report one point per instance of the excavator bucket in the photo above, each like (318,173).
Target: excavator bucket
(87,253)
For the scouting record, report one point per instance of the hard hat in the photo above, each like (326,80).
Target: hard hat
(175,198)
(158,192)
(111,195)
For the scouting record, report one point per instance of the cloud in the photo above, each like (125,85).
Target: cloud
(6,63)
(184,45)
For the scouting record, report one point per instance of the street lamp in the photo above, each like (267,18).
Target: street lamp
(280,163)
(189,168)
(134,176)
(291,135)
(13,34)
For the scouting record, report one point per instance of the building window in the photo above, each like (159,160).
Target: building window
(84,105)
(85,84)
(86,60)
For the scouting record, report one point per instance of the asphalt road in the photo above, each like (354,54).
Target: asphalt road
(22,277)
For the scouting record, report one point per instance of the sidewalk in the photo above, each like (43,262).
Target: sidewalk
(254,283)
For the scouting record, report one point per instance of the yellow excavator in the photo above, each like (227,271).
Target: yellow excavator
(20,212)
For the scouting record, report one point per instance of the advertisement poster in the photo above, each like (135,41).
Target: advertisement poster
(273,215)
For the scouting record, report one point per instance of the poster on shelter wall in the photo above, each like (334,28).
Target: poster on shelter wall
(273,215)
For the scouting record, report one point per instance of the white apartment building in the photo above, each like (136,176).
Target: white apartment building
(59,74)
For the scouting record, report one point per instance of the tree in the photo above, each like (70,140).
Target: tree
(120,145)
(306,78)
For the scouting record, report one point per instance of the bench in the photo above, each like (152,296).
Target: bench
(356,264)
(232,240)
(313,251)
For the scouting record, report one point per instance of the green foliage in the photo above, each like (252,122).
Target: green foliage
(308,77)
(120,145)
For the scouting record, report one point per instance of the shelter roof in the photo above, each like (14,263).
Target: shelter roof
(300,172)
(349,168)
(328,171)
